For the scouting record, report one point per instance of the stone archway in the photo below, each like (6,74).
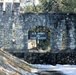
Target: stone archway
(57,23)
(39,39)
(34,20)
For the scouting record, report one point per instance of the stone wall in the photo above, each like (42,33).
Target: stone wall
(15,38)
(51,58)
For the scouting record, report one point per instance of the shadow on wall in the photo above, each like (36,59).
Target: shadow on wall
(51,73)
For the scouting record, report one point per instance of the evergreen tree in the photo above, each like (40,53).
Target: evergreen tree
(58,5)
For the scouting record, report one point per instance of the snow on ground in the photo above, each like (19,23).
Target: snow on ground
(65,69)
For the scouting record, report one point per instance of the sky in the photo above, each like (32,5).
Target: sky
(35,1)
(24,3)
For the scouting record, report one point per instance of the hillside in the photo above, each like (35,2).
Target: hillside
(10,65)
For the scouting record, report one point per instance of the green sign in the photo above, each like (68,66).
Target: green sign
(37,35)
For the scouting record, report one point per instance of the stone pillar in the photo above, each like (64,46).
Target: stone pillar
(71,32)
(63,34)
(59,36)
(53,38)
(70,44)
(8,18)
(1,37)
(75,31)
(67,34)
(25,40)
(57,39)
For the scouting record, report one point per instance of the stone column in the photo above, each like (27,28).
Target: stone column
(75,31)
(1,37)
(63,35)
(67,34)
(72,42)
(53,38)
(25,40)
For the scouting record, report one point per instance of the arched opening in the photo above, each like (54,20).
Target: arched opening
(39,39)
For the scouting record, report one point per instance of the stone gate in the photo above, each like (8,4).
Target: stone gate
(14,27)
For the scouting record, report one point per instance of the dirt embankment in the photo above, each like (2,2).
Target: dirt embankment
(10,65)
